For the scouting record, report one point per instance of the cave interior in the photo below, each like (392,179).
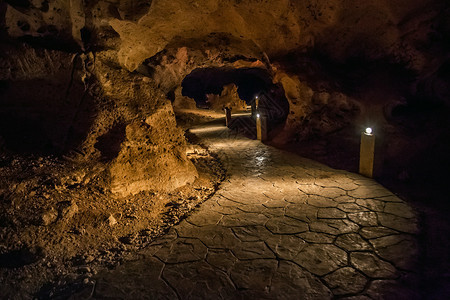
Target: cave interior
(97,99)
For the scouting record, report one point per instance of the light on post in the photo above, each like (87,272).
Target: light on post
(227,116)
(261,127)
(254,106)
(367,152)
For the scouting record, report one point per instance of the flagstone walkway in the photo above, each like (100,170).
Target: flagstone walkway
(280,227)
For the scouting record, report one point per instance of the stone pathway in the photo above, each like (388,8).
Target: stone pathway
(280,227)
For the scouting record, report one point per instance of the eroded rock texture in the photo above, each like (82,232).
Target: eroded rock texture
(96,72)
(85,107)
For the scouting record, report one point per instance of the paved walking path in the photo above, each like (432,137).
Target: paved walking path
(280,227)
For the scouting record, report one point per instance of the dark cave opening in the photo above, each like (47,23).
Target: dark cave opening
(250,83)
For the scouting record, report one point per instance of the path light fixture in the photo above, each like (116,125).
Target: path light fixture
(367,152)
(261,127)
(227,116)
(254,106)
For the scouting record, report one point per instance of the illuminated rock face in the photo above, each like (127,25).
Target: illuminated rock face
(399,29)
(308,47)
(228,98)
(339,28)
(82,106)
(158,157)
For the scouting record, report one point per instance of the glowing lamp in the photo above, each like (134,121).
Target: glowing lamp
(367,152)
(261,127)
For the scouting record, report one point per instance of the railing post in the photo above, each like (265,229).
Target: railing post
(227,116)
(261,127)
(367,153)
(255,105)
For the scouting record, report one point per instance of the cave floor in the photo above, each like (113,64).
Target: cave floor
(279,227)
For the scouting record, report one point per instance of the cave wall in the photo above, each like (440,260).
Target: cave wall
(366,39)
(44,103)
(96,70)
(151,149)
(413,33)
(85,107)
(312,112)
(182,102)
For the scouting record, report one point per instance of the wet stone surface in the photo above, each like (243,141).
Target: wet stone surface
(280,227)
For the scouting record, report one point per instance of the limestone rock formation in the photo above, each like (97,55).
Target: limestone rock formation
(102,65)
(88,91)
(80,106)
(182,102)
(152,157)
(228,98)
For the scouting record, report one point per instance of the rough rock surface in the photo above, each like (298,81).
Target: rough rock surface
(80,106)
(182,102)
(265,234)
(228,98)
(89,82)
(340,64)
(60,222)
(158,156)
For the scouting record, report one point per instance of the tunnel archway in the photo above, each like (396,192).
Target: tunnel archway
(250,83)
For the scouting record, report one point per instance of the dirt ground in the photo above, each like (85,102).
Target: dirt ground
(59,224)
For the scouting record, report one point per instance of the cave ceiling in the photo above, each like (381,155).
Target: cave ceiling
(307,47)
(406,31)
